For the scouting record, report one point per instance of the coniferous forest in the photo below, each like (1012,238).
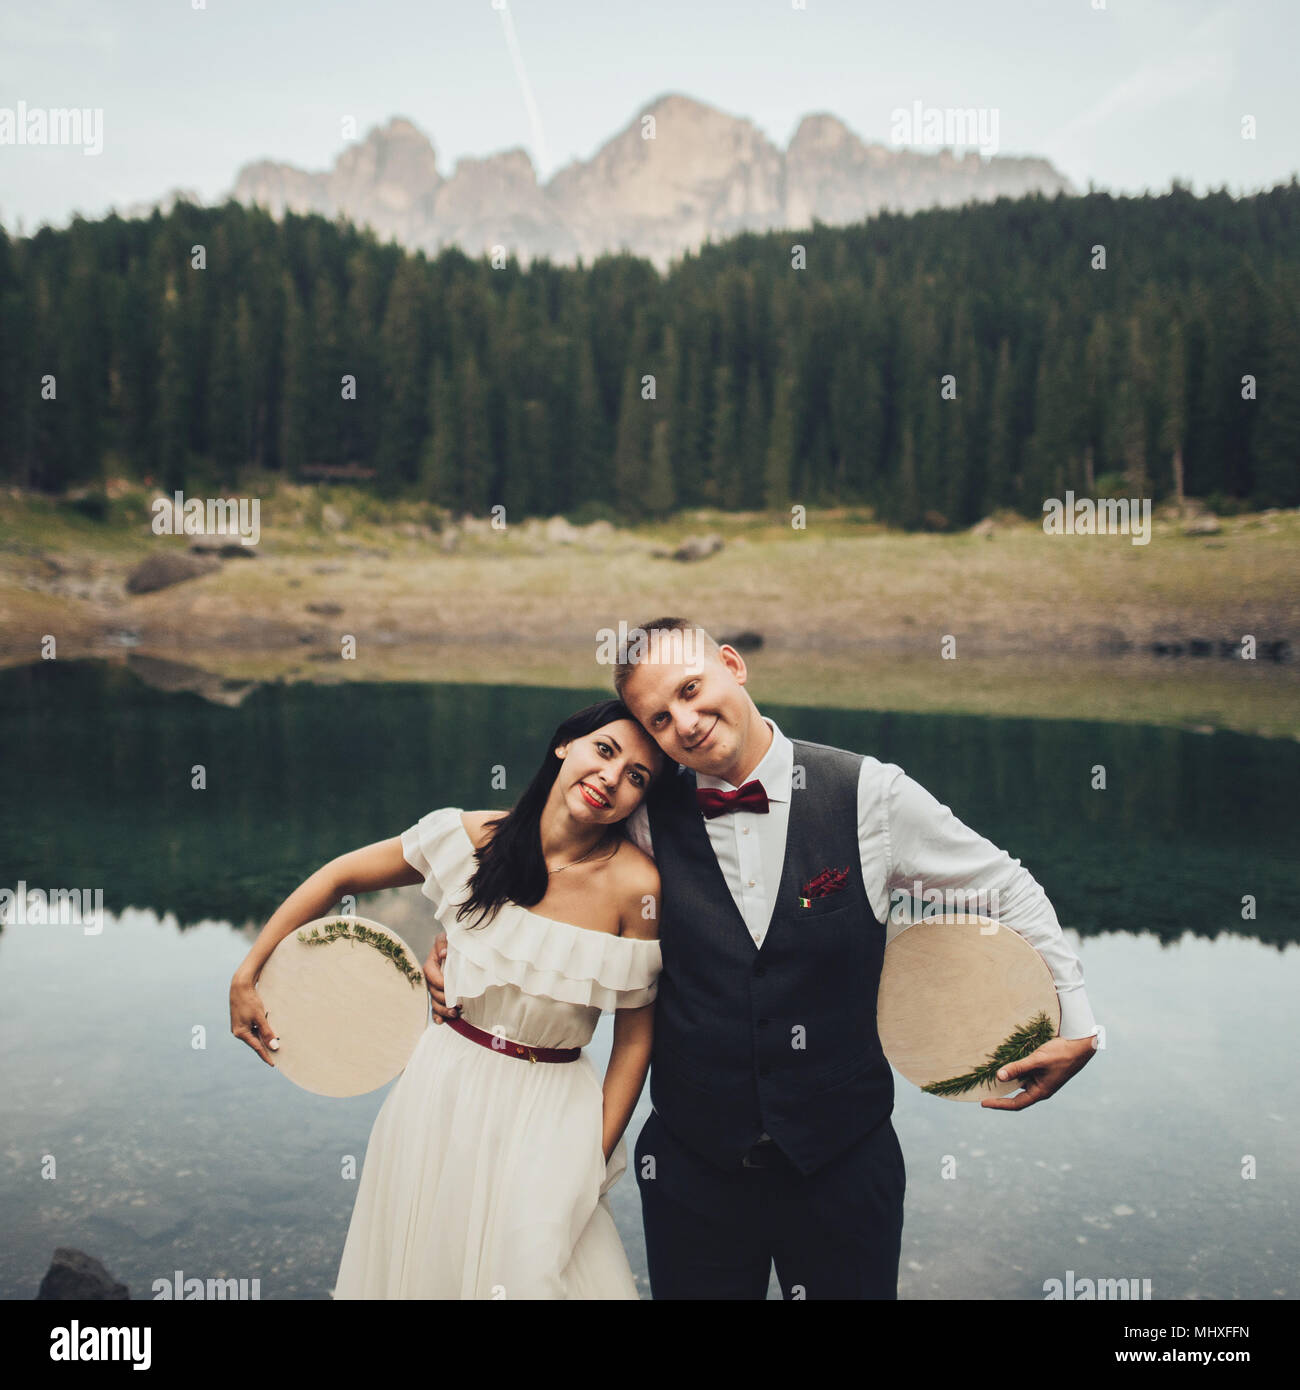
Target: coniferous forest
(935,367)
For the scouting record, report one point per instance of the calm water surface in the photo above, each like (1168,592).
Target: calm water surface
(176,1156)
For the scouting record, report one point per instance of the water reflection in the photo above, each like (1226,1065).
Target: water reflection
(1186,825)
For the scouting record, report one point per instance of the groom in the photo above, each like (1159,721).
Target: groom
(770,1140)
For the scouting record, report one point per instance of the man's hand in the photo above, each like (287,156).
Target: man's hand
(1043,1072)
(433,978)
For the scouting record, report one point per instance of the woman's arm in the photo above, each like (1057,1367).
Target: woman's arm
(629,1060)
(365,870)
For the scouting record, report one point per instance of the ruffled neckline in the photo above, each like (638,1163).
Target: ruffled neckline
(540,955)
(470,848)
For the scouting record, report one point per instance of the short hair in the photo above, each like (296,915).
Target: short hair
(637,649)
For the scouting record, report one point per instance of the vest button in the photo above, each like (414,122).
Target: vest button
(764,1071)
(759,972)
(762,1023)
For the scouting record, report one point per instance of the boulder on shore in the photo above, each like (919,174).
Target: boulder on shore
(75,1275)
(698,547)
(166,568)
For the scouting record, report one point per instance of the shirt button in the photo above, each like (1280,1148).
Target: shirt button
(751,882)
(745,831)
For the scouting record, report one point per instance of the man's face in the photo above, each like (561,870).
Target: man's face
(698,714)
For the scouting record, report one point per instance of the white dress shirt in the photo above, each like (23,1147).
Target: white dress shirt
(905,837)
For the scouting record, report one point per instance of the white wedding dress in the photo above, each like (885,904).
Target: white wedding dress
(484,1176)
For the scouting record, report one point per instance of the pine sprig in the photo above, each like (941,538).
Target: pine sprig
(340,930)
(1026,1039)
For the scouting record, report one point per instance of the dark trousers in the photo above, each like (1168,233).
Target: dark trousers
(711,1233)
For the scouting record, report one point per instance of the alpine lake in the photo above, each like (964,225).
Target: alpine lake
(139,1130)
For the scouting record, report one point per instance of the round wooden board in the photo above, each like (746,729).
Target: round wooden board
(346,1016)
(952,990)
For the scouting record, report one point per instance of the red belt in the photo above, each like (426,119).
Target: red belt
(514,1049)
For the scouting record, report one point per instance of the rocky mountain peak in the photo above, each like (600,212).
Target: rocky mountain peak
(657,188)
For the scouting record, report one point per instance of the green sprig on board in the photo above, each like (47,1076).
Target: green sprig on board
(355,931)
(1026,1039)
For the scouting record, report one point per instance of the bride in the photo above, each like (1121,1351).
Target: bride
(489,1162)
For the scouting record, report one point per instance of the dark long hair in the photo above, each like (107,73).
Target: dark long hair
(511,865)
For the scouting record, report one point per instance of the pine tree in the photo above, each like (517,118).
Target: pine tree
(404,378)
(907,505)
(724,482)
(752,445)
(296,400)
(173,395)
(632,448)
(474,444)
(693,446)
(780,446)
(438,464)
(660,494)
(225,404)
(1175,407)
(1132,414)
(1096,402)
(1002,460)
(534,465)
(83,387)
(590,481)
(329,421)
(1276,442)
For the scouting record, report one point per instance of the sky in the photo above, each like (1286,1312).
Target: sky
(1128,95)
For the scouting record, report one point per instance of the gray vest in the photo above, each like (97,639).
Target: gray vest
(780,1039)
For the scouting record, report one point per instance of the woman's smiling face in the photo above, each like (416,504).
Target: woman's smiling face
(606,773)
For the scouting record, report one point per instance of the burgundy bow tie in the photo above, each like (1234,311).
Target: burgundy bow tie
(750,797)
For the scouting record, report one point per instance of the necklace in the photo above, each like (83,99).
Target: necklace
(579,860)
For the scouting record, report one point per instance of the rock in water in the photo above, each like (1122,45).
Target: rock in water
(75,1275)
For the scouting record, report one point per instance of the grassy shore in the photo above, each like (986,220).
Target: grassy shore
(850,613)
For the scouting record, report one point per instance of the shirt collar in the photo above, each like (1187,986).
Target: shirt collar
(775,769)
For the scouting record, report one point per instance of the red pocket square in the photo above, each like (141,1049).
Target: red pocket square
(823,885)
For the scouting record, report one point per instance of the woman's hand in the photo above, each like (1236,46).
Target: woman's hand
(248,1018)
(433,978)
(365,870)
